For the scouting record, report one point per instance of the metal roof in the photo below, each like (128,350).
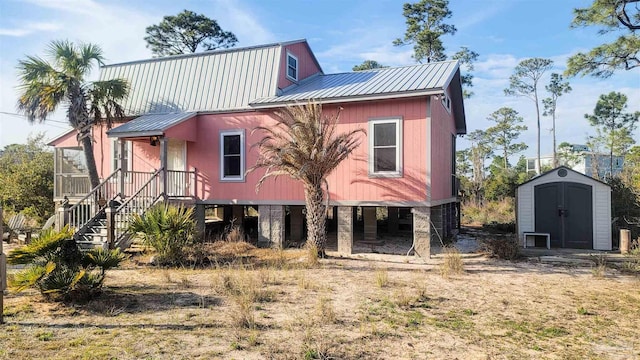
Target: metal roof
(387,82)
(149,125)
(209,81)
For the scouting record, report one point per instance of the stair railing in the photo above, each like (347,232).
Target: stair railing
(82,213)
(146,196)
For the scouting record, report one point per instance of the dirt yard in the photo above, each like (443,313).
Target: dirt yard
(357,308)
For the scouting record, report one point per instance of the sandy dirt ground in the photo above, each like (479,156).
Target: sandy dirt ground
(368,306)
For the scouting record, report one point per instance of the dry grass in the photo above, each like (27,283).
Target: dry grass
(452,263)
(495,309)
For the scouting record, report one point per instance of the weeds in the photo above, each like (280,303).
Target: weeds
(452,263)
(600,265)
(382,278)
(325,311)
(503,247)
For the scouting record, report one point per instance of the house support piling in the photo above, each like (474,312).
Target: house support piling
(392,219)
(345,230)
(271,225)
(370,223)
(422,232)
(297,222)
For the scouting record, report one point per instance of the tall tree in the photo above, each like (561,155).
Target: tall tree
(524,82)
(557,87)
(45,86)
(611,16)
(368,65)
(304,144)
(505,132)
(480,151)
(613,124)
(425,26)
(466,57)
(186,33)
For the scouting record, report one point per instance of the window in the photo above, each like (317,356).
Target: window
(292,67)
(446,102)
(115,155)
(385,147)
(232,155)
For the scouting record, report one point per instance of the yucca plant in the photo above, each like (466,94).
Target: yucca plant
(168,229)
(304,144)
(59,270)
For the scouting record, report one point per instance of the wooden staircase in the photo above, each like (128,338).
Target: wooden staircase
(101,218)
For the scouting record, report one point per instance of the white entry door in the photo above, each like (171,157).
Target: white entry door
(177,181)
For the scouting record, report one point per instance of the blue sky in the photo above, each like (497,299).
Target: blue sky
(341,33)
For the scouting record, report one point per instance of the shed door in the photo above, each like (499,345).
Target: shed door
(565,211)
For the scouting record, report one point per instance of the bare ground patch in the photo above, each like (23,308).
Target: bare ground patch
(276,307)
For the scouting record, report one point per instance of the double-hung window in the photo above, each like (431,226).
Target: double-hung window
(232,155)
(385,147)
(292,67)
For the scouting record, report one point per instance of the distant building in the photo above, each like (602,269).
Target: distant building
(582,160)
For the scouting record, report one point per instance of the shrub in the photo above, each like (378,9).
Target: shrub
(503,247)
(167,229)
(59,270)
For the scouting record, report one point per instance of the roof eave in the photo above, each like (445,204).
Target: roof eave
(345,99)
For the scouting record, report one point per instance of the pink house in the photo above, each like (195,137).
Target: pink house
(188,138)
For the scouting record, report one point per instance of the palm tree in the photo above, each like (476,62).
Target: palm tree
(45,86)
(305,146)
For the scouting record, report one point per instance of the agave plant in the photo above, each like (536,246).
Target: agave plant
(59,270)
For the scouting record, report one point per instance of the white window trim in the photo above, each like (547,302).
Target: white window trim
(446,102)
(399,147)
(240,178)
(115,145)
(287,67)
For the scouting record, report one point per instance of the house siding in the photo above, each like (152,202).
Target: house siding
(350,182)
(306,64)
(442,128)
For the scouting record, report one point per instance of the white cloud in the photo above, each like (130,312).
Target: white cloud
(237,18)
(30,28)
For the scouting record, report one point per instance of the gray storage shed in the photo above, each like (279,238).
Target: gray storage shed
(574,209)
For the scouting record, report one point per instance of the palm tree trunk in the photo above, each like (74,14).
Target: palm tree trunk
(87,147)
(316,217)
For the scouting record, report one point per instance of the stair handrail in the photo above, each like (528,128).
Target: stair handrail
(107,179)
(120,215)
(79,217)
(140,189)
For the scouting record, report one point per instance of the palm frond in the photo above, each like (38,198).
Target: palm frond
(48,241)
(303,144)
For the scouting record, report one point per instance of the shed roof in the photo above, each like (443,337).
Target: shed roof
(568,169)
(150,125)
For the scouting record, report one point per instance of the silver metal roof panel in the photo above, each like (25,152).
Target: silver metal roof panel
(415,78)
(151,124)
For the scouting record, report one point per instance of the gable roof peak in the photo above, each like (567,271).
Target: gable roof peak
(207,53)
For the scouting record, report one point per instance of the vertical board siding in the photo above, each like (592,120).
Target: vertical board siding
(349,182)
(306,64)
(442,127)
